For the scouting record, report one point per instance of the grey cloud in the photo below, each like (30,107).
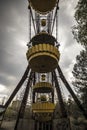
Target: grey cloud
(66,21)
(14,37)
(13,31)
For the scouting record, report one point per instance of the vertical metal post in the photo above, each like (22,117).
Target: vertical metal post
(55,16)
(49,127)
(52,78)
(33,97)
(34,79)
(35,127)
(57,25)
(37,17)
(52,96)
(32,18)
(29,25)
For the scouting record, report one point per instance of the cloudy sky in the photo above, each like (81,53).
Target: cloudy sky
(14,37)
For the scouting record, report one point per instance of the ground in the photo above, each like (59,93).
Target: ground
(7,125)
(23,125)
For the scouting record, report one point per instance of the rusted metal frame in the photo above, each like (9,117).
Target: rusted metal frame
(32,18)
(24,101)
(52,97)
(56,11)
(37,18)
(52,78)
(34,79)
(17,87)
(29,25)
(52,81)
(71,92)
(57,26)
(33,97)
(61,103)
(33,92)
(49,22)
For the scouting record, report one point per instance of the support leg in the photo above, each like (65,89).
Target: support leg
(71,92)
(17,87)
(61,103)
(24,101)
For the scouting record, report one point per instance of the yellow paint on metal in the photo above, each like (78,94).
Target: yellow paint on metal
(36,48)
(42,84)
(43,111)
(43,107)
(43,87)
(43,98)
(43,77)
(43,57)
(43,48)
(43,22)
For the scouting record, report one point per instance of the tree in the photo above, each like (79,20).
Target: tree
(80,29)
(80,68)
(80,75)
(72,108)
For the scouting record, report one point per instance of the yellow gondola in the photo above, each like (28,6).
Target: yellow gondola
(43,6)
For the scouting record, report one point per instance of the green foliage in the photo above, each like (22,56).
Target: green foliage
(80,29)
(72,108)
(80,75)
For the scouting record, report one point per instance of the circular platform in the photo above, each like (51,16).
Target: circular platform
(43,6)
(43,58)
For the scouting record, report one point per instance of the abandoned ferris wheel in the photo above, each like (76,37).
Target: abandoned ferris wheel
(43,71)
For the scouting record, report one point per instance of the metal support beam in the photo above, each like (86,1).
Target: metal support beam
(52,97)
(17,87)
(52,78)
(33,97)
(71,92)
(34,79)
(32,18)
(56,11)
(37,19)
(24,102)
(29,25)
(61,103)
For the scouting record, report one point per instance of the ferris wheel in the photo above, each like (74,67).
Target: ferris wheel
(43,71)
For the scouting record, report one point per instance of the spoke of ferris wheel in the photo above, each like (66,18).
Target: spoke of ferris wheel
(32,19)
(37,18)
(29,25)
(56,11)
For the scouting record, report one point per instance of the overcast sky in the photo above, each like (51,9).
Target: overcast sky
(14,37)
